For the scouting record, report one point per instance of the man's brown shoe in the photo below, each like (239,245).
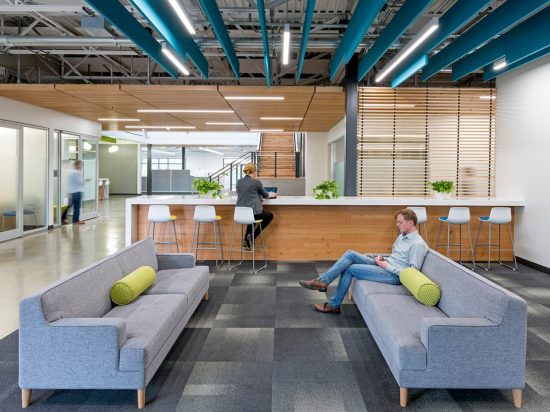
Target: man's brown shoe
(326,308)
(314,284)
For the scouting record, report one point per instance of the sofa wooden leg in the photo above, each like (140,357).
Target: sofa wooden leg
(517,395)
(350,295)
(403,397)
(141,398)
(25,397)
(206,296)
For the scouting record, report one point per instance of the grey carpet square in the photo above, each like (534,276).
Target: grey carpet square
(188,346)
(308,344)
(221,279)
(245,316)
(315,386)
(302,268)
(252,295)
(258,279)
(289,295)
(205,315)
(302,315)
(238,344)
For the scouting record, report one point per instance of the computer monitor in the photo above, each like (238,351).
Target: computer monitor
(271,189)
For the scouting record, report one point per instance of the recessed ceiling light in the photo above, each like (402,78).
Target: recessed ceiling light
(180,12)
(115,119)
(225,123)
(160,127)
(281,118)
(266,130)
(254,97)
(183,111)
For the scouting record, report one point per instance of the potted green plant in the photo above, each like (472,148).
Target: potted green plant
(327,189)
(206,187)
(442,188)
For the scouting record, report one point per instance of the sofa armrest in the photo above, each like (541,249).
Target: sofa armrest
(175,261)
(477,345)
(103,328)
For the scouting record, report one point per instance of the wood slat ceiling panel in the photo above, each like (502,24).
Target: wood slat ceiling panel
(45,95)
(295,104)
(325,110)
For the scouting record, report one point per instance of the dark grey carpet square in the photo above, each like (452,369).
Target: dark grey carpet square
(308,344)
(258,279)
(238,344)
(245,316)
(252,295)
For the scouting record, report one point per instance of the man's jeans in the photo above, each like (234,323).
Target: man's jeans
(355,265)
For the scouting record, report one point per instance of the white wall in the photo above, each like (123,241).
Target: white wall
(317,155)
(522,150)
(123,168)
(18,112)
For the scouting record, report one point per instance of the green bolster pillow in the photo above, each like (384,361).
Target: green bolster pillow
(421,287)
(128,288)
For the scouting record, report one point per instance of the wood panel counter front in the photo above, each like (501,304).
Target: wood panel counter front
(307,229)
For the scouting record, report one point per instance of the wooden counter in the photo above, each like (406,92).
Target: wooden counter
(307,229)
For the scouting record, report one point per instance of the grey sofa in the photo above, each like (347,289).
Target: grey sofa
(474,338)
(71,336)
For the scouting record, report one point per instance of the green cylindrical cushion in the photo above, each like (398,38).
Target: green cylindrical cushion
(421,287)
(132,285)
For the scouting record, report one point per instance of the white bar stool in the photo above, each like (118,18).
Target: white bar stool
(422,218)
(498,216)
(457,216)
(207,214)
(244,216)
(161,214)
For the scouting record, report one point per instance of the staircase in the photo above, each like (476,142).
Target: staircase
(279,148)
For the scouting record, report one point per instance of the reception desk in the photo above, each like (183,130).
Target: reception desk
(308,229)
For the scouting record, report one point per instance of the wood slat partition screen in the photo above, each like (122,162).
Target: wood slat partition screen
(408,137)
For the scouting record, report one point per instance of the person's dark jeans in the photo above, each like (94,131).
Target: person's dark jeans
(266,218)
(75,201)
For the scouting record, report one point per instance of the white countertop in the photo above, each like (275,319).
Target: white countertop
(341,201)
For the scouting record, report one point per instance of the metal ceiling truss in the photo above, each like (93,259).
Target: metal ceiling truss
(240,42)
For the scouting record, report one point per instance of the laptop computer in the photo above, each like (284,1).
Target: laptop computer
(271,189)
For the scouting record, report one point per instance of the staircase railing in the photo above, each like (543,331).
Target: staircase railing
(234,170)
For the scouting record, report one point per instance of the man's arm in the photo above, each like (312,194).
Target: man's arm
(417,253)
(261,190)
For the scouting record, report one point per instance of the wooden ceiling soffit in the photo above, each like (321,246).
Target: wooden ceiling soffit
(325,110)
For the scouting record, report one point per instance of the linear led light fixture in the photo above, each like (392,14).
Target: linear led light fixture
(160,127)
(180,12)
(266,130)
(488,97)
(172,57)
(411,46)
(225,123)
(206,149)
(281,118)
(286,43)
(183,111)
(115,119)
(500,64)
(254,97)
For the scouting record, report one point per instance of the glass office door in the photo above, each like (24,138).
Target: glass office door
(35,178)
(9,169)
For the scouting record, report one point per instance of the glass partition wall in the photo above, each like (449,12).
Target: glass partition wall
(24,166)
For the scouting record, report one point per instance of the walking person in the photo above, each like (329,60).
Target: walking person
(75,188)
(409,250)
(250,192)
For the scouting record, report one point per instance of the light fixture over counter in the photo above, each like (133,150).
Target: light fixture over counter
(220,111)
(254,97)
(160,127)
(114,119)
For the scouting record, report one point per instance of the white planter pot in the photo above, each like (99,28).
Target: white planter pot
(442,195)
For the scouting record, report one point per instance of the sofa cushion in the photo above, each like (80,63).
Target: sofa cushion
(398,320)
(127,289)
(150,320)
(464,294)
(421,287)
(364,288)
(188,282)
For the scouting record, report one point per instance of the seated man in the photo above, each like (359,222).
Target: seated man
(409,250)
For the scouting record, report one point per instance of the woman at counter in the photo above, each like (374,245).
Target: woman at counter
(250,192)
